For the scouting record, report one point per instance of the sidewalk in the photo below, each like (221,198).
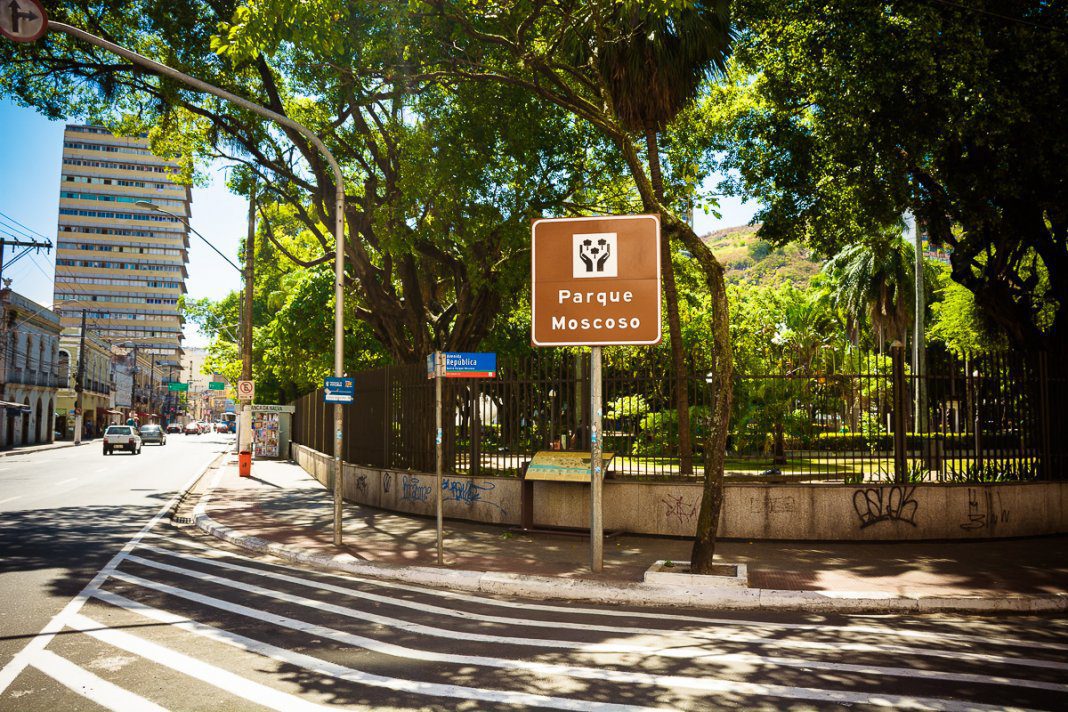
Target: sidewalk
(283,510)
(41,448)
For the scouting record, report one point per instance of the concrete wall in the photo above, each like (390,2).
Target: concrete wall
(750,511)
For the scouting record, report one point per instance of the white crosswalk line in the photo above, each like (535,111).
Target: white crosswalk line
(589,648)
(21,659)
(205,672)
(90,686)
(703,684)
(934,636)
(348,674)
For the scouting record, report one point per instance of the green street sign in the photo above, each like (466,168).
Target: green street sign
(176,386)
(216,386)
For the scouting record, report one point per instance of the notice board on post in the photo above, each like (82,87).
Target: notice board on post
(595,281)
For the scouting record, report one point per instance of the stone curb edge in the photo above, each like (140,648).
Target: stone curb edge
(633,594)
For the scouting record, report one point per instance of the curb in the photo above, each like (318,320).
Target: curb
(39,448)
(632,594)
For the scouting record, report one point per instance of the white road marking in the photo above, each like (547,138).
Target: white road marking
(101,469)
(205,672)
(323,667)
(89,686)
(10,499)
(937,636)
(703,684)
(539,642)
(674,650)
(66,481)
(18,663)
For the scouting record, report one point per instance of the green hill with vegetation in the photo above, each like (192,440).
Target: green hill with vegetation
(747,258)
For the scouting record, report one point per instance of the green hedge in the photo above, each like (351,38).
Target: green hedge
(848,442)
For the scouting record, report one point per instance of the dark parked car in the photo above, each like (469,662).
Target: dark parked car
(153,434)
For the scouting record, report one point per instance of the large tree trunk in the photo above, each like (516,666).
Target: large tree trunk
(704,546)
(682,396)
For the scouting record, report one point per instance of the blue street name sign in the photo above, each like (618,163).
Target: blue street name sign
(338,390)
(470,365)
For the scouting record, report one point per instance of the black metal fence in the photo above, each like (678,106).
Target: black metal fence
(837,417)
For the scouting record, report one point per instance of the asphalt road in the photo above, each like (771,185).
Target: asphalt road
(184,622)
(64,513)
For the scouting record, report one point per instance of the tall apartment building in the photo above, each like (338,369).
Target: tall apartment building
(124,263)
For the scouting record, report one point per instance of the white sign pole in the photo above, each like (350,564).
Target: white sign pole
(596,475)
(439,368)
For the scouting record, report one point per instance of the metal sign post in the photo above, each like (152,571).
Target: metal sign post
(441,365)
(596,473)
(606,294)
(439,451)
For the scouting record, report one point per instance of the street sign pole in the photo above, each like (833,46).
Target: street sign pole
(439,366)
(596,475)
(607,294)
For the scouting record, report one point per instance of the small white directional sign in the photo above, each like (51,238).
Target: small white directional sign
(22,20)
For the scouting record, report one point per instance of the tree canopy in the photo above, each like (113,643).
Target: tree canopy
(840,117)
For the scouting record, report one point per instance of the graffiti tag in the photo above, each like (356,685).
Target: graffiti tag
(988,516)
(468,492)
(412,491)
(680,509)
(885,504)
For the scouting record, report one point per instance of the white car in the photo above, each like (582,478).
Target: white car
(122,437)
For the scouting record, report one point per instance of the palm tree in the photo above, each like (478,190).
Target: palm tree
(653,67)
(873,281)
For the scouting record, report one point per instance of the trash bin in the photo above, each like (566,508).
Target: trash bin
(244,463)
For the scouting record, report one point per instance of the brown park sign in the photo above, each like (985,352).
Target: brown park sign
(595,281)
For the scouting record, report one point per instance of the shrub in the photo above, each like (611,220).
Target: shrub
(658,433)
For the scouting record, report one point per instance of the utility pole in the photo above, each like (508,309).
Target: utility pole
(28,244)
(244,437)
(919,351)
(133,384)
(78,385)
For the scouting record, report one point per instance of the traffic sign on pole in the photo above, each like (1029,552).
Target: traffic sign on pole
(216,386)
(607,293)
(177,386)
(338,390)
(246,390)
(22,20)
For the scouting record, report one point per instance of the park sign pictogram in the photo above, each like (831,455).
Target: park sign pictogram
(595,281)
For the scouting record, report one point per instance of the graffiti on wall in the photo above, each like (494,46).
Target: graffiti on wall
(412,490)
(885,504)
(985,510)
(680,509)
(469,492)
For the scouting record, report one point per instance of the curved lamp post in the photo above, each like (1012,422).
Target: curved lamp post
(339,211)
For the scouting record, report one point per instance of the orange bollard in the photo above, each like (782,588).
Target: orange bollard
(244,464)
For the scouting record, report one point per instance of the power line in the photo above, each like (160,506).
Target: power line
(30,230)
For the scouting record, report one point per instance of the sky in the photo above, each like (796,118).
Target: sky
(31,150)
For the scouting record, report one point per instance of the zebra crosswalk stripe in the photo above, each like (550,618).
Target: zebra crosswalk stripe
(211,674)
(90,686)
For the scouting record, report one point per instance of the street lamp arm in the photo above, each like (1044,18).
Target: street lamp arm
(190,226)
